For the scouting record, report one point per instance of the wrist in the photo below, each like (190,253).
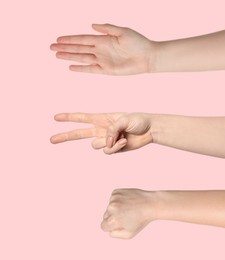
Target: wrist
(152,57)
(169,129)
(151,206)
(159,55)
(171,56)
(157,127)
(165,205)
(159,205)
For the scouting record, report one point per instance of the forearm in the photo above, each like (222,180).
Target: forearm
(199,207)
(204,135)
(201,53)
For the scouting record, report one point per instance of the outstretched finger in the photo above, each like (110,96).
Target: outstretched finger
(73,135)
(78,39)
(72,48)
(75,117)
(87,68)
(78,57)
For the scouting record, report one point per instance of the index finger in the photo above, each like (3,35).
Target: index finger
(82,39)
(75,117)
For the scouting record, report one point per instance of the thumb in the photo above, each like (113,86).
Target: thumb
(120,233)
(108,29)
(115,130)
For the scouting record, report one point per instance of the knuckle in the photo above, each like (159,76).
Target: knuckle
(103,226)
(116,191)
(111,129)
(114,198)
(112,206)
(111,220)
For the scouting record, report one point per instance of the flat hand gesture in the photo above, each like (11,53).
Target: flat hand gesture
(119,51)
(114,132)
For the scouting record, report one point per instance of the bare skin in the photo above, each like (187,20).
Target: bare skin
(123,51)
(130,210)
(119,132)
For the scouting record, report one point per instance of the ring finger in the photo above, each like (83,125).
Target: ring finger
(83,58)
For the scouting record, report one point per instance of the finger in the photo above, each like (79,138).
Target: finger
(109,224)
(104,226)
(119,145)
(98,143)
(72,48)
(83,58)
(109,141)
(106,215)
(115,130)
(75,117)
(108,29)
(87,69)
(73,135)
(78,39)
(120,233)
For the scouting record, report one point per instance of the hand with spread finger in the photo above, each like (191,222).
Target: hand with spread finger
(113,132)
(123,51)
(117,51)
(119,132)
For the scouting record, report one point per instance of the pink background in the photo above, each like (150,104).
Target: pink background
(52,197)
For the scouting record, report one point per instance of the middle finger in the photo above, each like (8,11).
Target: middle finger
(72,48)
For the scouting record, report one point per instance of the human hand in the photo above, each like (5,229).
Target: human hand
(113,132)
(119,51)
(128,212)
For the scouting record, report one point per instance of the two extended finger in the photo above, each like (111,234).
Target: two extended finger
(79,48)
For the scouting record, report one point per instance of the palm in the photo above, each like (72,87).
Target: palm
(123,55)
(119,51)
